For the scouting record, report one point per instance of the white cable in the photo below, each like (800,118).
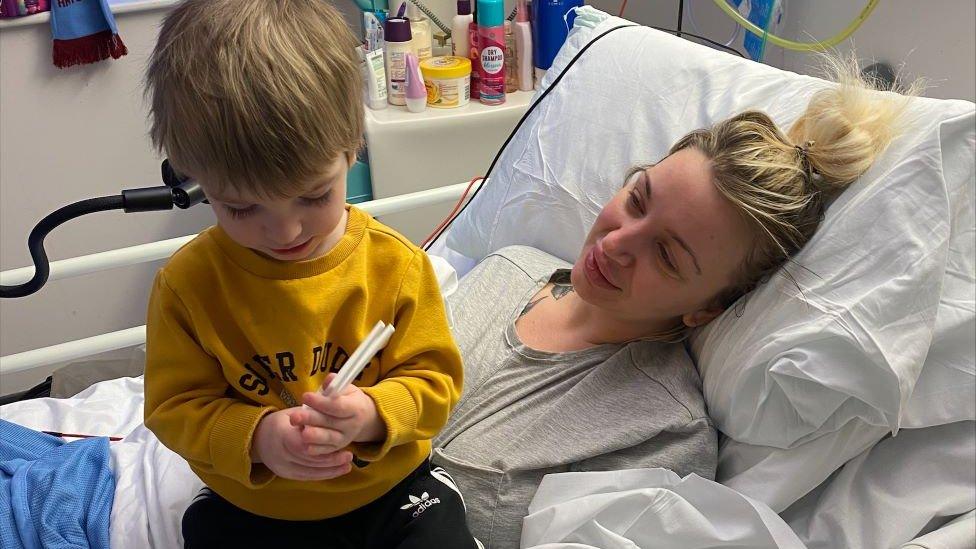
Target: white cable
(689,12)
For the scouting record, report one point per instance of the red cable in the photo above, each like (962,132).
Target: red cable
(623,6)
(454,211)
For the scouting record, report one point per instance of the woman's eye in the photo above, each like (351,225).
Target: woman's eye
(635,202)
(667,257)
(317,201)
(238,212)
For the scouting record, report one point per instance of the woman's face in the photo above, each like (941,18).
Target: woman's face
(664,246)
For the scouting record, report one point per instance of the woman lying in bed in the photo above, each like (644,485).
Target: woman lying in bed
(579,367)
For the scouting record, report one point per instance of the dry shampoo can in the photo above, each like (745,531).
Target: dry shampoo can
(491,41)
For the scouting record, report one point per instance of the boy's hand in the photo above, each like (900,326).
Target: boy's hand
(278,444)
(333,422)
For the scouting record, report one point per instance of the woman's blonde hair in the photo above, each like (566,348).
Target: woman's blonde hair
(782,182)
(256,95)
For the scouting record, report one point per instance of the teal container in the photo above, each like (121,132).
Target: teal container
(359,186)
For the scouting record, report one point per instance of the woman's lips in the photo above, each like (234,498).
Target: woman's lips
(596,271)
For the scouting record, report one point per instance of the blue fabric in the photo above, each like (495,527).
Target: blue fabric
(53,494)
(72,19)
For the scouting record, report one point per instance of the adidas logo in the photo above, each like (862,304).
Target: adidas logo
(422,503)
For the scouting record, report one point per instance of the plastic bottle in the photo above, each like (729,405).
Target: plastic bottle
(397,44)
(474,52)
(416,93)
(511,67)
(460,45)
(523,48)
(420,31)
(491,43)
(551,20)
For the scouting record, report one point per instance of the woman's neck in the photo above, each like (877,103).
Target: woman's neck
(597,326)
(558,320)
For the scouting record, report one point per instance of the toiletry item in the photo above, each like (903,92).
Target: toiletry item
(460,44)
(491,44)
(398,43)
(416,94)
(448,81)
(523,48)
(420,31)
(511,69)
(373,30)
(373,69)
(551,21)
(474,53)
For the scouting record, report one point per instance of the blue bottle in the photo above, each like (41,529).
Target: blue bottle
(549,29)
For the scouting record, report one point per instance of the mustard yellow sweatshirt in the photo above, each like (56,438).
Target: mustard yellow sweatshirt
(227,326)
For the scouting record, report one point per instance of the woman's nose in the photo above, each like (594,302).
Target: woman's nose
(618,247)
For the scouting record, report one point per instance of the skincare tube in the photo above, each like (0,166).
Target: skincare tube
(373,30)
(374,78)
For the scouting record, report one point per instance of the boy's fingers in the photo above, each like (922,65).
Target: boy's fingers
(310,418)
(328,381)
(317,436)
(330,406)
(318,473)
(325,459)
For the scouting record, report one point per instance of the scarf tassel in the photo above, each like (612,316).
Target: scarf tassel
(88,49)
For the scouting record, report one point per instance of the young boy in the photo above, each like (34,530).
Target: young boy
(260,102)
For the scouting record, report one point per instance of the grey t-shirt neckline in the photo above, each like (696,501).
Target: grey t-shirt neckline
(516,344)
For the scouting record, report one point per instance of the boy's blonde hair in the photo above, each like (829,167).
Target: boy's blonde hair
(256,95)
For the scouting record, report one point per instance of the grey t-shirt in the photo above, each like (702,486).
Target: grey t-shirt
(526,413)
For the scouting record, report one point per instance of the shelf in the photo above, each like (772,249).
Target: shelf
(394,114)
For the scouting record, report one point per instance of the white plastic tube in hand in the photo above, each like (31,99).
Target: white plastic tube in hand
(361,357)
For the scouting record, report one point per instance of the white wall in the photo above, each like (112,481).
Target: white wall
(936,39)
(67,135)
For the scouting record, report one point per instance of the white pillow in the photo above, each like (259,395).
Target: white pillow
(894,252)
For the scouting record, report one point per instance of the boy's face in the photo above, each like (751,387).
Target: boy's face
(297,228)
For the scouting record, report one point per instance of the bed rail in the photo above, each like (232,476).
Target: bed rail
(143,253)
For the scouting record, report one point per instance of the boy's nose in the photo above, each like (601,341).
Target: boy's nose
(283,232)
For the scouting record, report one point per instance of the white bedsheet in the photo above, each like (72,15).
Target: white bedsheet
(153,486)
(648,508)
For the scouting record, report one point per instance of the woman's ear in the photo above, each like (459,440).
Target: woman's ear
(701,317)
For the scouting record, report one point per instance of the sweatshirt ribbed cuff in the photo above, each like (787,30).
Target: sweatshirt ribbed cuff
(230,445)
(397,408)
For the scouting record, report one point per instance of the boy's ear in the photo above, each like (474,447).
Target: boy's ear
(701,317)
(351,157)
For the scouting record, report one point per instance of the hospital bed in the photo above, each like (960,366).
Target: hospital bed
(846,397)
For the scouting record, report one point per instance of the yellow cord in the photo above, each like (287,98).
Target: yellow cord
(820,45)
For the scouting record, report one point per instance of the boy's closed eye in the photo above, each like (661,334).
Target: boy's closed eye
(239,210)
(319,200)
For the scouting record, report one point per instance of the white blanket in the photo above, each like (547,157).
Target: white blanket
(648,508)
(153,486)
